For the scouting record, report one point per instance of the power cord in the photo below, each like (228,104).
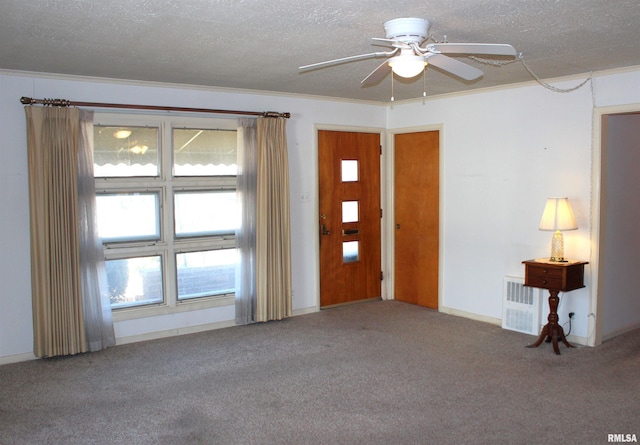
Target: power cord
(520,59)
(571,314)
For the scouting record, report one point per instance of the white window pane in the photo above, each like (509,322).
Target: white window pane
(349,211)
(205,213)
(125,151)
(202,274)
(134,281)
(350,251)
(128,216)
(204,152)
(349,170)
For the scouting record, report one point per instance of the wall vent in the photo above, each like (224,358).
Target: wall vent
(521,306)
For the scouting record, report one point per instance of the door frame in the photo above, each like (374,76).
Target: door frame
(383,185)
(594,328)
(389,224)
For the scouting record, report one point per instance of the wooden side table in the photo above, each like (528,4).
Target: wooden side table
(556,277)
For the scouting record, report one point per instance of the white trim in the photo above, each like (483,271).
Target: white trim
(388,224)
(174,332)
(185,86)
(578,340)
(155,335)
(516,85)
(471,316)
(305,311)
(7,359)
(218,89)
(594,329)
(620,332)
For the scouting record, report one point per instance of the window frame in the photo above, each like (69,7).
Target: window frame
(221,189)
(138,240)
(166,185)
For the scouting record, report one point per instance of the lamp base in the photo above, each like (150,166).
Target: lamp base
(557,247)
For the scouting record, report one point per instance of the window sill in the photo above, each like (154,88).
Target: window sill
(183,306)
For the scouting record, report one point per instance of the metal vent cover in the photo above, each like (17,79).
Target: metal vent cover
(521,306)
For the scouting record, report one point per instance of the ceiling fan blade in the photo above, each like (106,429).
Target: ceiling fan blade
(377,75)
(382,39)
(347,59)
(393,42)
(455,67)
(497,49)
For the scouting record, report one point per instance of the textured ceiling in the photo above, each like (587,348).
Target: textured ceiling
(259,44)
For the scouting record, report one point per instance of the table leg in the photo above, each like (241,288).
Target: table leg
(552,331)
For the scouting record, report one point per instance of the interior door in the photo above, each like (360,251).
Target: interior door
(349,210)
(416,217)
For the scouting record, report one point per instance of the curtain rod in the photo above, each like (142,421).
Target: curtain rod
(67,103)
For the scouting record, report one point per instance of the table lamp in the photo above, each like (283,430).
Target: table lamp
(557,217)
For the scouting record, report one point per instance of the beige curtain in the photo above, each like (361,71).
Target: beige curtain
(273,227)
(52,139)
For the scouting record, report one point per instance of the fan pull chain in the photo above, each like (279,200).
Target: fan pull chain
(392,98)
(424,83)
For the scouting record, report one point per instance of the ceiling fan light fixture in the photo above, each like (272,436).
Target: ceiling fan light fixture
(407,66)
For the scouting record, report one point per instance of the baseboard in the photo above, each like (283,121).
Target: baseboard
(351,303)
(470,315)
(621,331)
(17,358)
(582,341)
(577,340)
(193,329)
(304,311)
(156,335)
(174,332)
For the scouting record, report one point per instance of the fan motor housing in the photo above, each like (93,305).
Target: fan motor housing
(407,29)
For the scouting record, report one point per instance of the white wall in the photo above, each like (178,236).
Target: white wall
(504,152)
(16,338)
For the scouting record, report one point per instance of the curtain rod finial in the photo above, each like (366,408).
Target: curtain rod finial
(24,100)
(276,114)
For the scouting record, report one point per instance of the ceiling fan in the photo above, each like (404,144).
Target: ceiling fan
(408,59)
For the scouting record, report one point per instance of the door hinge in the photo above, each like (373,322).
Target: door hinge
(381,275)
(380,213)
(381,150)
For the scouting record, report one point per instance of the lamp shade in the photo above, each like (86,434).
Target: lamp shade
(558,215)
(406,65)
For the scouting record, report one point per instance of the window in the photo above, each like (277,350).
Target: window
(167,210)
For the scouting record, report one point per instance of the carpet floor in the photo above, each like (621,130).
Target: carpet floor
(381,372)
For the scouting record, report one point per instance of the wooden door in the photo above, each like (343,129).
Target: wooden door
(349,210)
(416,218)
